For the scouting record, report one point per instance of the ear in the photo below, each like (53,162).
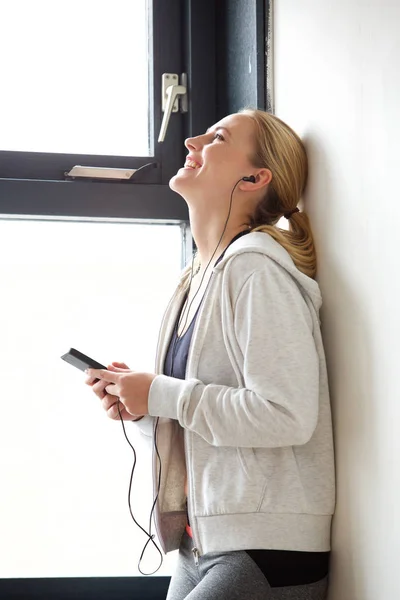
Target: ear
(263,178)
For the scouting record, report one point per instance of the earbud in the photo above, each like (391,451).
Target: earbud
(251,178)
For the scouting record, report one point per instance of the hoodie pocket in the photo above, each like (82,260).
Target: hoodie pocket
(249,463)
(274,476)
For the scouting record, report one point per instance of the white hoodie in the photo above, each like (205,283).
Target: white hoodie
(252,419)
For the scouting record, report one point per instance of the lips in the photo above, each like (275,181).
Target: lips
(192,164)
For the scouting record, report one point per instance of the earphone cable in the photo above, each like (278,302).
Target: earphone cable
(149,535)
(202,279)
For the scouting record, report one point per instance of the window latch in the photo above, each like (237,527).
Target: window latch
(172,92)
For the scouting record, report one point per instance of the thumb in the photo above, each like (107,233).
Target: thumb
(118,366)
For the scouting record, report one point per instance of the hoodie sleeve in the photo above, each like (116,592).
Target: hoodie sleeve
(274,345)
(145,425)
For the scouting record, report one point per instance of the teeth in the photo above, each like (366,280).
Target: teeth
(192,164)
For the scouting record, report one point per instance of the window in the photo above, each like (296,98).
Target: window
(34,161)
(86,78)
(71,77)
(65,466)
(82,86)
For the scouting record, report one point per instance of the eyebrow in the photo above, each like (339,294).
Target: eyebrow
(209,130)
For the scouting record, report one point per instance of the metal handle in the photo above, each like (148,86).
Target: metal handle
(171,92)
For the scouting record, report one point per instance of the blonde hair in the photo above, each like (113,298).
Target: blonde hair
(281,150)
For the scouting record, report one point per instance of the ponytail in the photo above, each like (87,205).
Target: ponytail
(281,150)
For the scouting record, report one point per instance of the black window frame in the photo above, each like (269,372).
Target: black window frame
(85,588)
(33,183)
(165,49)
(209,50)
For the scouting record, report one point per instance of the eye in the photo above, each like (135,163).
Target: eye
(219,136)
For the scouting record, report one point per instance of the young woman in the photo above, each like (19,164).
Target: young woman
(239,405)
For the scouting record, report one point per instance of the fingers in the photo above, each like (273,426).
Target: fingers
(109,401)
(99,388)
(118,367)
(112,389)
(110,376)
(115,409)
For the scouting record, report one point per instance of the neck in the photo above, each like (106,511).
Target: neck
(207,231)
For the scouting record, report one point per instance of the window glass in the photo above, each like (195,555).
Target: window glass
(76,77)
(101,288)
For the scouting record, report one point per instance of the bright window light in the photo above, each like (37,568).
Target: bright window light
(76,77)
(101,288)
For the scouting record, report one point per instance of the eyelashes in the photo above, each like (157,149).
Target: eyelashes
(219,136)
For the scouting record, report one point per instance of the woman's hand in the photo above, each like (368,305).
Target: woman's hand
(111,403)
(119,383)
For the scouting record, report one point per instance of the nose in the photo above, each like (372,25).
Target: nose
(194,143)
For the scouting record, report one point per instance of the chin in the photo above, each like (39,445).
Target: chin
(179,183)
(173,184)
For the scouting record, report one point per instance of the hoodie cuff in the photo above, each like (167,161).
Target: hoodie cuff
(145,425)
(166,394)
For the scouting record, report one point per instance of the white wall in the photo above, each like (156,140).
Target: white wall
(337,82)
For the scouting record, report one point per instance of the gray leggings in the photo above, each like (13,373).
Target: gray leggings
(231,576)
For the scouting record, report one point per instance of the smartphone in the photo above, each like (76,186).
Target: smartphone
(81,361)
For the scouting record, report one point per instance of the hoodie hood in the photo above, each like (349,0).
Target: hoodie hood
(264,244)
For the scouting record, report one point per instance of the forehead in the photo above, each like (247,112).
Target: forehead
(239,126)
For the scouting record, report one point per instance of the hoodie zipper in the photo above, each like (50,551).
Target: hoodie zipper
(195,550)
(196,556)
(154,454)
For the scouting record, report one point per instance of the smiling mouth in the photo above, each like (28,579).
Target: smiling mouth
(192,164)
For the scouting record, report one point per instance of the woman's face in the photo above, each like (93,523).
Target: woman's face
(217,159)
